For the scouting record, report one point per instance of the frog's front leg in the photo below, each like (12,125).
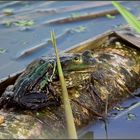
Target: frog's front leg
(36,100)
(7,97)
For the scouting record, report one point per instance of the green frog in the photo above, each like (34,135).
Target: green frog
(33,89)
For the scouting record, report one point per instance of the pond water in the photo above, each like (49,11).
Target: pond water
(21,44)
(119,124)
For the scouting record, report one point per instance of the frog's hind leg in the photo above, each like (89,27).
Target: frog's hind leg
(36,101)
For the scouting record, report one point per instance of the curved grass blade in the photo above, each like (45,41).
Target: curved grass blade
(67,107)
(130,18)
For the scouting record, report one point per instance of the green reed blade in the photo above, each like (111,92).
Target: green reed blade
(130,18)
(67,107)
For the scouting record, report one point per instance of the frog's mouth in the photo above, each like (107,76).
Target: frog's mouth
(81,66)
(78,68)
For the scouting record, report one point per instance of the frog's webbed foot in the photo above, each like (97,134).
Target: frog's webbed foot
(35,100)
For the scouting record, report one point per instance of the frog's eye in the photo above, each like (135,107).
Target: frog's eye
(77,59)
(92,53)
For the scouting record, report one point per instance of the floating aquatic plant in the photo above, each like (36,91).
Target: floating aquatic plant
(119,108)
(23,23)
(80,29)
(131,116)
(19,23)
(8,11)
(2,50)
(110,16)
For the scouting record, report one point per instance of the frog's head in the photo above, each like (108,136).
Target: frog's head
(80,61)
